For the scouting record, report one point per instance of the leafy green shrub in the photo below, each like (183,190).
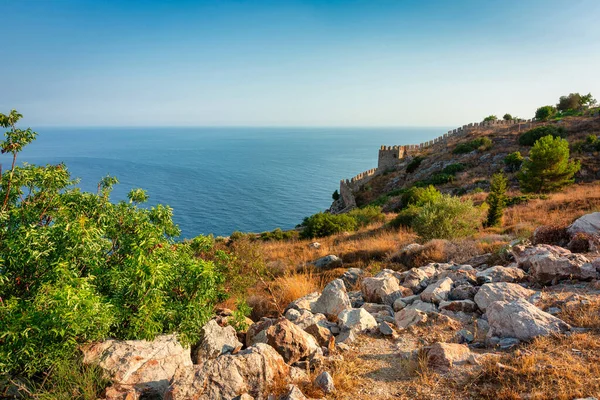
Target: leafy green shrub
(325,224)
(454,168)
(507,117)
(531,136)
(447,218)
(439,178)
(414,164)
(383,199)
(481,144)
(496,200)
(417,196)
(548,167)
(76,267)
(367,215)
(544,113)
(405,217)
(591,139)
(490,118)
(278,234)
(513,161)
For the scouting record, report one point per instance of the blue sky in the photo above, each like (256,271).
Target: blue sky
(293,63)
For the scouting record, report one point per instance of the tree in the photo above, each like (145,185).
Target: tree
(545,112)
(335,196)
(507,117)
(548,167)
(533,135)
(570,102)
(490,118)
(513,161)
(588,100)
(496,200)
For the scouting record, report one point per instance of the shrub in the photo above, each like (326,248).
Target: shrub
(454,168)
(414,164)
(325,224)
(490,118)
(481,144)
(405,218)
(417,196)
(447,218)
(550,234)
(548,167)
(278,234)
(335,196)
(570,102)
(507,117)
(513,161)
(496,200)
(78,268)
(531,136)
(367,215)
(545,112)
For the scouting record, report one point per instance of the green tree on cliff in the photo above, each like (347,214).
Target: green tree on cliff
(496,200)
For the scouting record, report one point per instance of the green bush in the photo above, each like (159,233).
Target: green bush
(76,267)
(405,217)
(325,224)
(383,199)
(447,218)
(531,136)
(454,168)
(513,161)
(414,164)
(481,144)
(544,113)
(548,167)
(417,196)
(490,118)
(507,117)
(278,234)
(367,215)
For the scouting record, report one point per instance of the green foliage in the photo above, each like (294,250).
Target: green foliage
(447,218)
(278,234)
(544,113)
(242,310)
(496,200)
(513,161)
(367,215)
(335,196)
(405,217)
(76,267)
(591,139)
(454,168)
(414,164)
(490,118)
(531,136)
(507,117)
(417,196)
(381,200)
(481,144)
(548,167)
(325,224)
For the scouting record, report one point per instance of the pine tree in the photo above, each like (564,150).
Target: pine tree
(496,200)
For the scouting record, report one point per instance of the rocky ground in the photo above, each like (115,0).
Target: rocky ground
(528,329)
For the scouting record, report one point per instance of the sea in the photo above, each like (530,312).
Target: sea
(220,180)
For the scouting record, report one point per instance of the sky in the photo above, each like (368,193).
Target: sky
(293,63)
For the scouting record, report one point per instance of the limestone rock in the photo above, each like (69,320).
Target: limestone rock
(257,333)
(325,382)
(307,318)
(408,317)
(467,306)
(291,342)
(383,290)
(378,309)
(293,393)
(304,303)
(321,334)
(522,320)
(140,365)
(438,291)
(250,371)
(589,223)
(352,276)
(386,329)
(357,320)
(500,291)
(328,262)
(215,341)
(549,263)
(501,274)
(443,356)
(333,300)
(417,279)
(464,291)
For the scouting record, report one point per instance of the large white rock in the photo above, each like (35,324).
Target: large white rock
(438,291)
(500,291)
(408,317)
(417,279)
(443,356)
(305,303)
(145,367)
(328,262)
(292,342)
(522,320)
(250,371)
(333,300)
(589,223)
(383,289)
(216,340)
(357,320)
(501,274)
(549,263)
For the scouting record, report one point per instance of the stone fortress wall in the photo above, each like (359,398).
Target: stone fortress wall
(389,156)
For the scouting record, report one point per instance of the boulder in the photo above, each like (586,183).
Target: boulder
(304,303)
(305,318)
(144,367)
(357,320)
(464,291)
(250,371)
(378,309)
(501,274)
(216,340)
(408,317)
(438,291)
(325,382)
(257,333)
(328,262)
(352,276)
(292,342)
(589,224)
(417,279)
(550,263)
(322,335)
(293,393)
(314,245)
(333,300)
(467,306)
(422,306)
(443,356)
(522,320)
(500,291)
(383,290)
(385,328)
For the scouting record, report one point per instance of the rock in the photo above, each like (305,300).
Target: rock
(479,260)
(399,304)
(333,300)
(322,335)
(464,291)
(357,320)
(501,274)
(589,223)
(438,291)
(257,333)
(314,245)
(522,320)
(293,393)
(422,306)
(244,396)
(328,262)
(443,356)
(386,329)
(215,341)
(500,291)
(250,371)
(417,279)
(460,274)
(553,310)
(465,336)
(508,343)
(482,327)
(141,366)
(383,290)
(298,375)
(551,263)
(378,309)
(408,317)
(304,303)
(345,337)
(356,299)
(351,276)
(307,319)
(325,382)
(291,342)
(467,306)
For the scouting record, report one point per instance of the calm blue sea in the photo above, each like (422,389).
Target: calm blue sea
(222,179)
